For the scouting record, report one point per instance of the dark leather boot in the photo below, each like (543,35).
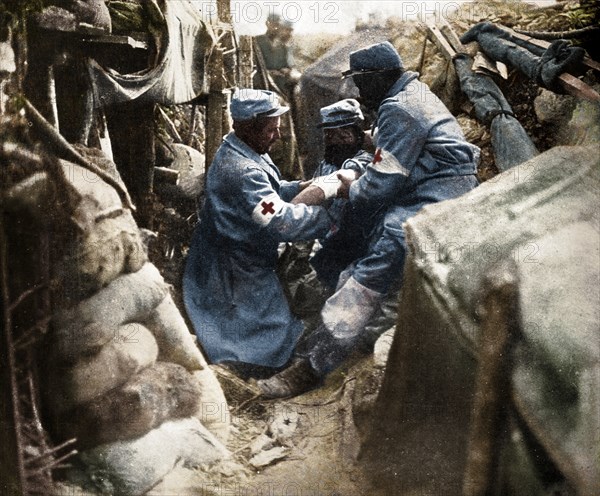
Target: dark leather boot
(296,379)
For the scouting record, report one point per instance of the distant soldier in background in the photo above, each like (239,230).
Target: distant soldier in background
(277,54)
(275,62)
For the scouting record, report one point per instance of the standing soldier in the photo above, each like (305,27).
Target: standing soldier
(275,61)
(276,52)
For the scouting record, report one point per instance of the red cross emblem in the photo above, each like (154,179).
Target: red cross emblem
(267,208)
(377,156)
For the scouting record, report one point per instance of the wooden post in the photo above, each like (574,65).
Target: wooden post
(131,127)
(224,11)
(246,62)
(492,388)
(226,122)
(217,104)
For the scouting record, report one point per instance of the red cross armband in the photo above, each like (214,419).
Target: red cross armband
(266,208)
(385,162)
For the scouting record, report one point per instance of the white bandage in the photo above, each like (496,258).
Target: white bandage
(348,174)
(329,184)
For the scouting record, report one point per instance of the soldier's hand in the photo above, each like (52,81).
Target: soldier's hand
(346,177)
(305,184)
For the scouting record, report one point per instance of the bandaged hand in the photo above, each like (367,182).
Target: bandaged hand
(329,184)
(346,178)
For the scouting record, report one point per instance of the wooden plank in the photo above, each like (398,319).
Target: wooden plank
(216,106)
(246,62)
(570,83)
(578,88)
(111,39)
(454,40)
(451,36)
(440,41)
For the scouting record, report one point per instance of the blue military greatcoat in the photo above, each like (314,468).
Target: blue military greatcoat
(422,157)
(231,291)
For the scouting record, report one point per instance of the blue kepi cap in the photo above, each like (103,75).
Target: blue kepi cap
(340,114)
(374,58)
(248,104)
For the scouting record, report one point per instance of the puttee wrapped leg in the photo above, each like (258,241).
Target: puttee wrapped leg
(345,315)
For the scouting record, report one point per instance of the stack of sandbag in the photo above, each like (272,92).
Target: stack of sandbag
(122,372)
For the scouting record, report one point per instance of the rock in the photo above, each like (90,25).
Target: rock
(164,391)
(265,458)
(283,427)
(551,108)
(261,443)
(131,468)
(584,126)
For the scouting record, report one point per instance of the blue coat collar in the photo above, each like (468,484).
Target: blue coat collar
(402,82)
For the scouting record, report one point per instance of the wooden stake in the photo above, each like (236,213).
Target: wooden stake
(492,388)
(217,100)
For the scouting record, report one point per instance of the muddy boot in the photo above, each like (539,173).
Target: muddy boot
(296,379)
(325,353)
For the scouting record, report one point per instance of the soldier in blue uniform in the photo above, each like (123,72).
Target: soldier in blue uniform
(307,287)
(344,138)
(231,292)
(421,158)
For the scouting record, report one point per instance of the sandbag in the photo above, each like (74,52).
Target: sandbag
(164,391)
(94,191)
(213,410)
(112,246)
(175,342)
(93,322)
(132,349)
(132,467)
